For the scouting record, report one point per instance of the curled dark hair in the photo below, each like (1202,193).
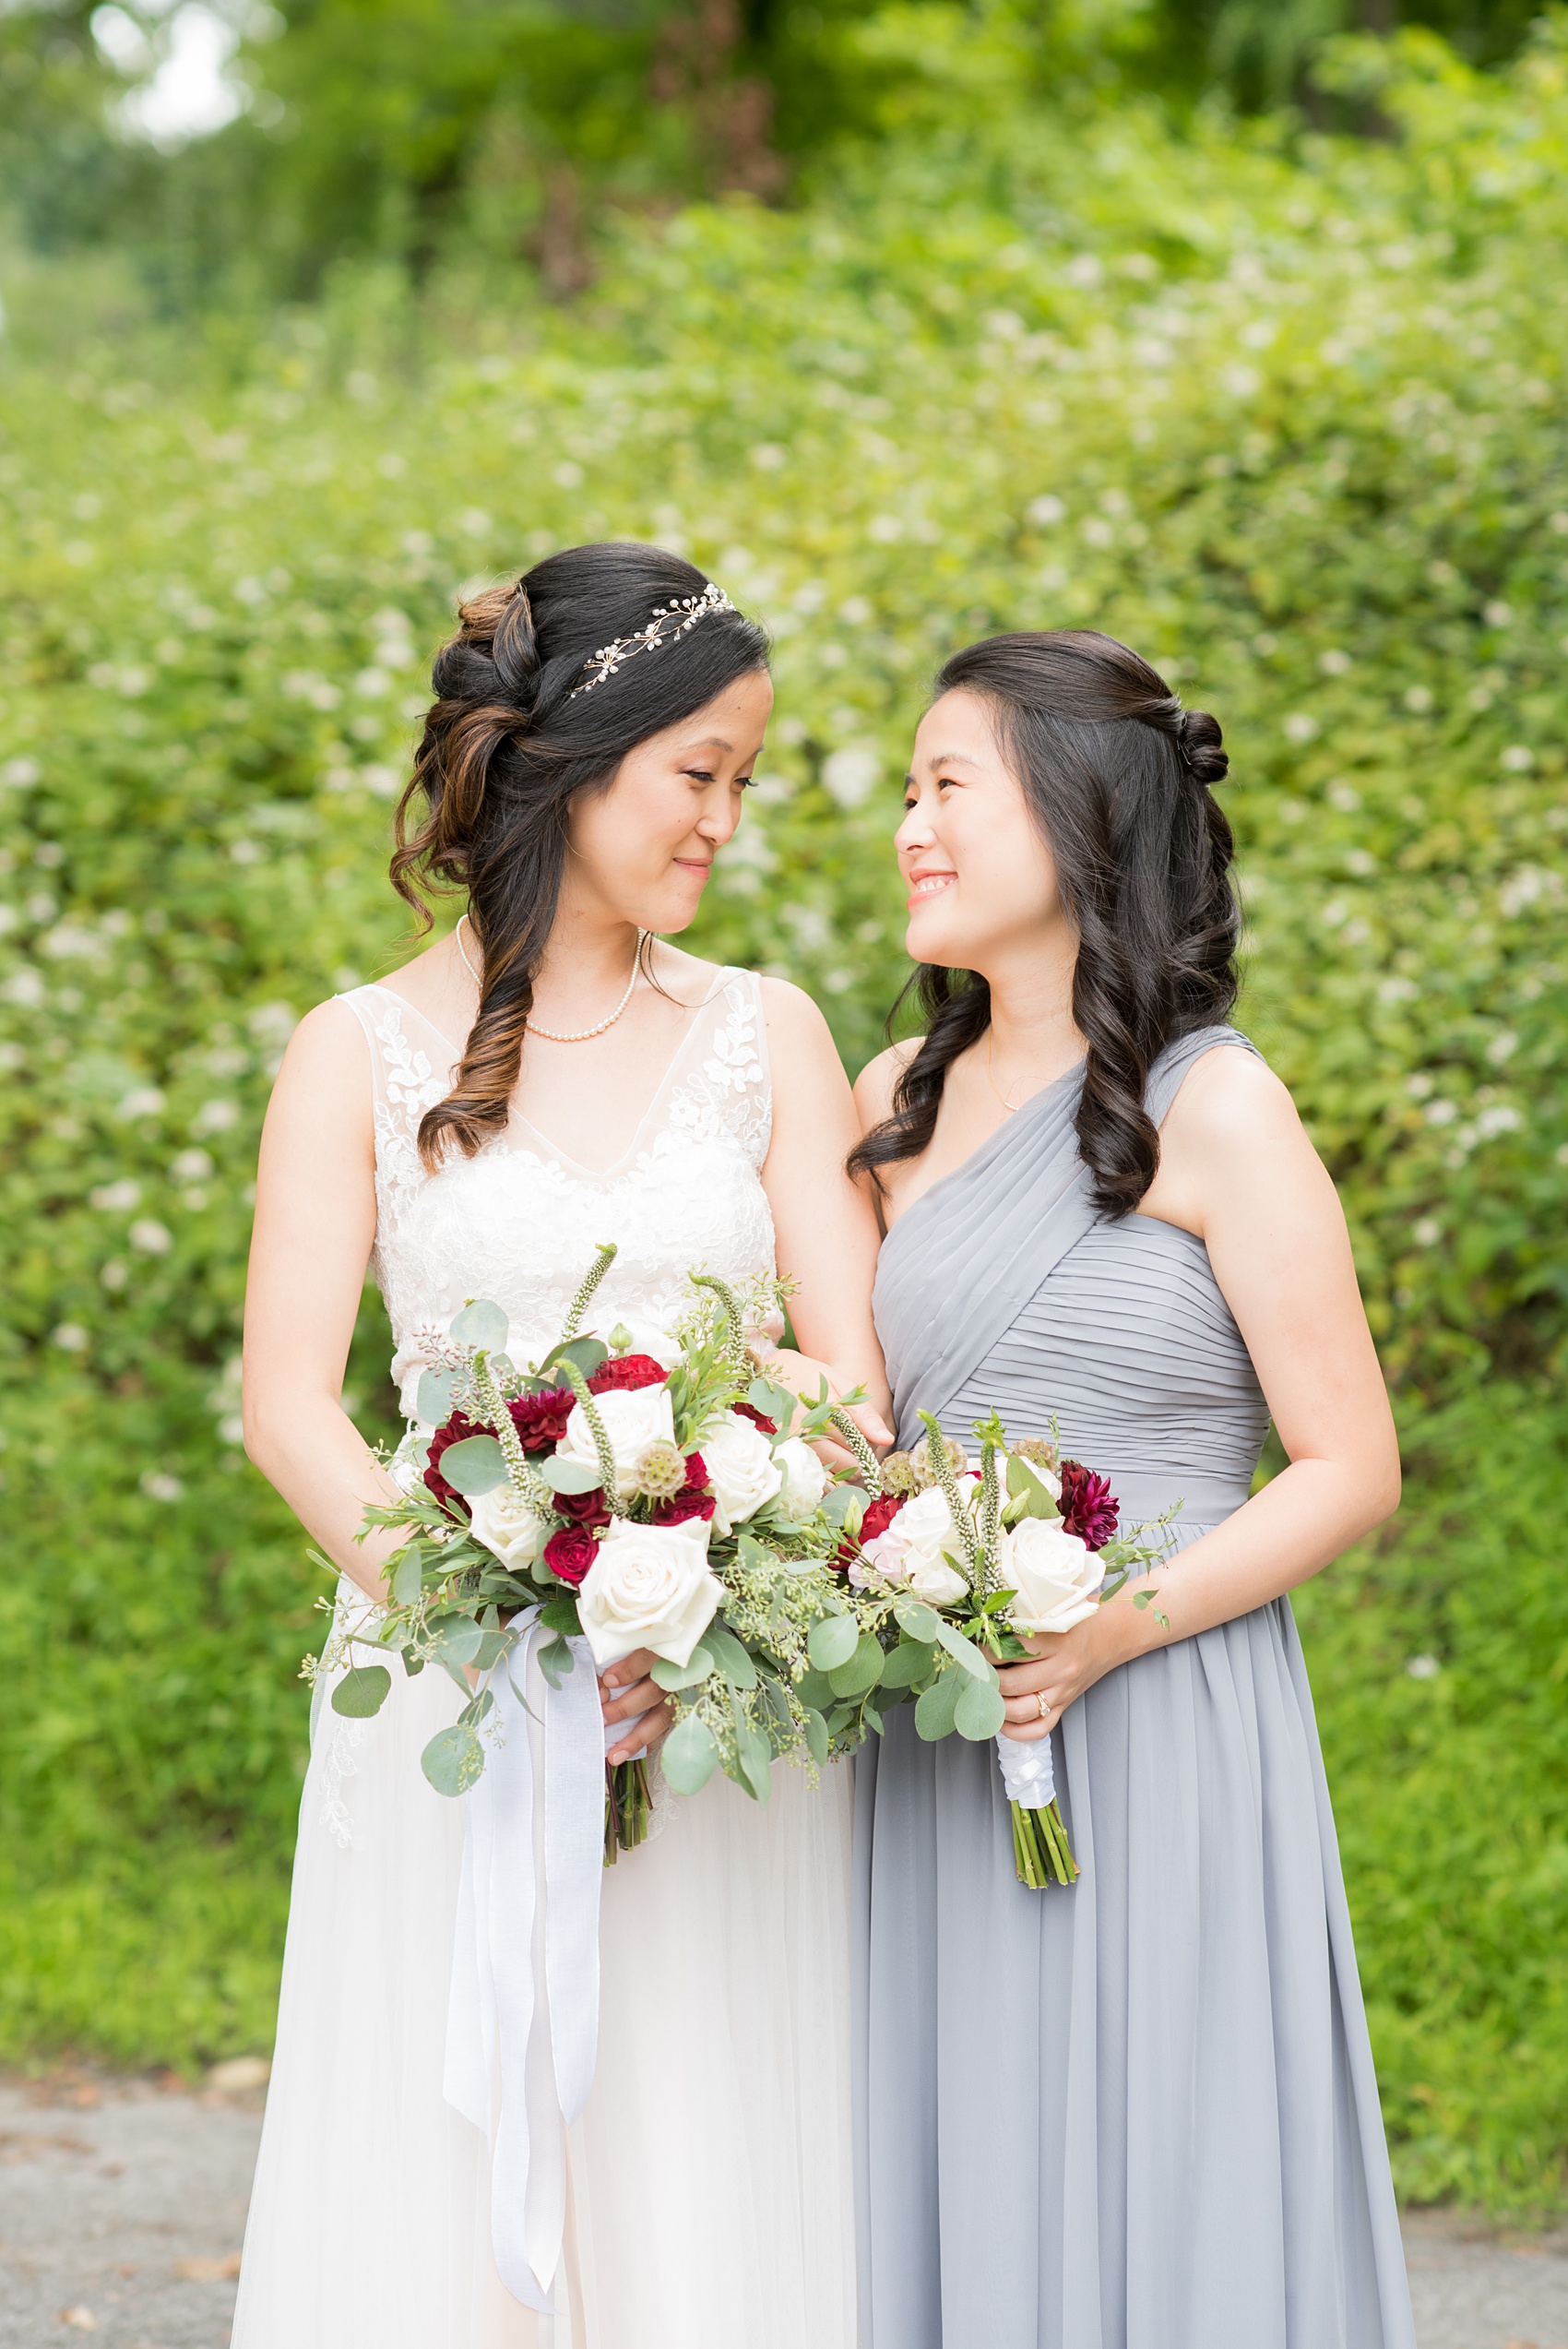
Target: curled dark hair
(508,745)
(1117,776)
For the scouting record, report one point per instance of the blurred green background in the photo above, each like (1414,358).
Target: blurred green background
(1236,330)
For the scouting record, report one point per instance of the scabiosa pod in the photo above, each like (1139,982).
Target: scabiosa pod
(602,1445)
(662,1472)
(607,1252)
(941,1456)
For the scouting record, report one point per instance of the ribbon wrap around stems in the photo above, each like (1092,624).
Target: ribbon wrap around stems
(1029,1774)
(522,2026)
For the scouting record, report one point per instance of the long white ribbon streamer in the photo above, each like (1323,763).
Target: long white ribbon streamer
(1029,1774)
(522,2026)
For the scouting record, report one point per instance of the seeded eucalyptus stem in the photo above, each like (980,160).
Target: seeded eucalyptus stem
(527,1479)
(735,1323)
(601,1443)
(865,1459)
(607,1252)
(943,1469)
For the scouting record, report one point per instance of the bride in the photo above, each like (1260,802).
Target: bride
(550,1076)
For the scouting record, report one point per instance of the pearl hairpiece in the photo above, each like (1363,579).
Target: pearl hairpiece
(665,626)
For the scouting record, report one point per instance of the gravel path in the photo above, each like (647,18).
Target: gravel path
(123,2205)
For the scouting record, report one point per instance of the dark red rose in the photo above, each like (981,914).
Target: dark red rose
(456,1430)
(590,1510)
(1089,1507)
(694,1499)
(540,1420)
(627,1371)
(744,1410)
(879,1516)
(570,1552)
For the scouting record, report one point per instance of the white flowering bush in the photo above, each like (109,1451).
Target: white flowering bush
(1290,423)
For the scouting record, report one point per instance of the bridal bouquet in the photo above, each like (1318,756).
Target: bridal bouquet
(629,1500)
(950,1567)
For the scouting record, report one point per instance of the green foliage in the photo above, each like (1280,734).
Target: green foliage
(1291,423)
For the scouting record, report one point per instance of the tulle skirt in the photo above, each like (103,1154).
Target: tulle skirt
(710,2196)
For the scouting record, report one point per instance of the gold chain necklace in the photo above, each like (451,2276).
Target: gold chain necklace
(581,1035)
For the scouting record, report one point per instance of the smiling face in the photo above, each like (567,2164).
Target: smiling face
(641,851)
(979,877)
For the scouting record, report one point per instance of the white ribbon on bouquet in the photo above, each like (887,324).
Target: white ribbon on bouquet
(1029,1774)
(522,2027)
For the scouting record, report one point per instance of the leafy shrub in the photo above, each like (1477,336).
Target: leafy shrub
(1292,426)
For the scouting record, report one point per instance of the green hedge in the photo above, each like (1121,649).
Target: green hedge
(1291,423)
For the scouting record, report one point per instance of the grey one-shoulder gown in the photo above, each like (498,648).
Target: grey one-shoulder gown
(1139,2113)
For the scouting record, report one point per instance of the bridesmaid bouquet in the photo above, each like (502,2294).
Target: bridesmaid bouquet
(950,1567)
(610,1495)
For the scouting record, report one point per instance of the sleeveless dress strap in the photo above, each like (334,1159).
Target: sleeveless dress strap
(1169,1070)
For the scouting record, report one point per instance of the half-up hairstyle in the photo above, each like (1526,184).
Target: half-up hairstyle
(510,742)
(1118,777)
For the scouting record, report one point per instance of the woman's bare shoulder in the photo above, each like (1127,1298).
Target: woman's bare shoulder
(1228,1098)
(875,1085)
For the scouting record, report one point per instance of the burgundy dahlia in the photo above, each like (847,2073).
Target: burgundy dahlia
(570,1552)
(878,1517)
(540,1420)
(1089,1507)
(456,1431)
(694,1499)
(627,1371)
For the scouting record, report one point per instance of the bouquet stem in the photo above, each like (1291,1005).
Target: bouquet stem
(628,1808)
(1040,1850)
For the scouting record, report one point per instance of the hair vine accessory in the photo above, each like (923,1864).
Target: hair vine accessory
(666,626)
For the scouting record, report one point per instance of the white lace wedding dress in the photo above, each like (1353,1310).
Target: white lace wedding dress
(709,2186)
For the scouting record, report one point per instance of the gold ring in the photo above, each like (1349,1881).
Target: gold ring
(1044,1707)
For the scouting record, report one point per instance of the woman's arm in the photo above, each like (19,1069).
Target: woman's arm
(1237,1169)
(314,1223)
(827,1230)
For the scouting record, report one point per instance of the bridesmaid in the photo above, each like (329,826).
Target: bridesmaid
(1139,2113)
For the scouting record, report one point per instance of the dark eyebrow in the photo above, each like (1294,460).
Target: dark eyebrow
(708,741)
(948,759)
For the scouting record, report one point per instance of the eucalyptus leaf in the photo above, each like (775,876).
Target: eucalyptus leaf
(979,1711)
(556,1659)
(361,1691)
(909,1662)
(566,1475)
(492,1646)
(689,1755)
(816,1689)
(730,1656)
(840,1719)
(933,1714)
(434,1401)
(755,1754)
(412,1664)
(461,1643)
(816,1736)
(915,1617)
(406,1580)
(453,1759)
(774,1402)
(480,1324)
(584,1354)
(862,1671)
(475,1466)
(691,1675)
(873,1718)
(965,1651)
(833,1641)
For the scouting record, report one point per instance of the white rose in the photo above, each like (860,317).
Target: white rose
(648,1587)
(740,1468)
(1055,1574)
(633,1418)
(504,1523)
(805,1480)
(918,1546)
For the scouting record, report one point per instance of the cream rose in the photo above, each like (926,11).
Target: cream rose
(633,1418)
(923,1548)
(805,1480)
(648,1587)
(1053,1573)
(504,1523)
(740,1468)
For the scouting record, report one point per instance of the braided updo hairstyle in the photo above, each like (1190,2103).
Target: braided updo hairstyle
(507,747)
(1118,777)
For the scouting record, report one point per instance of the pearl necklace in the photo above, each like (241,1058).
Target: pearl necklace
(581,1035)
